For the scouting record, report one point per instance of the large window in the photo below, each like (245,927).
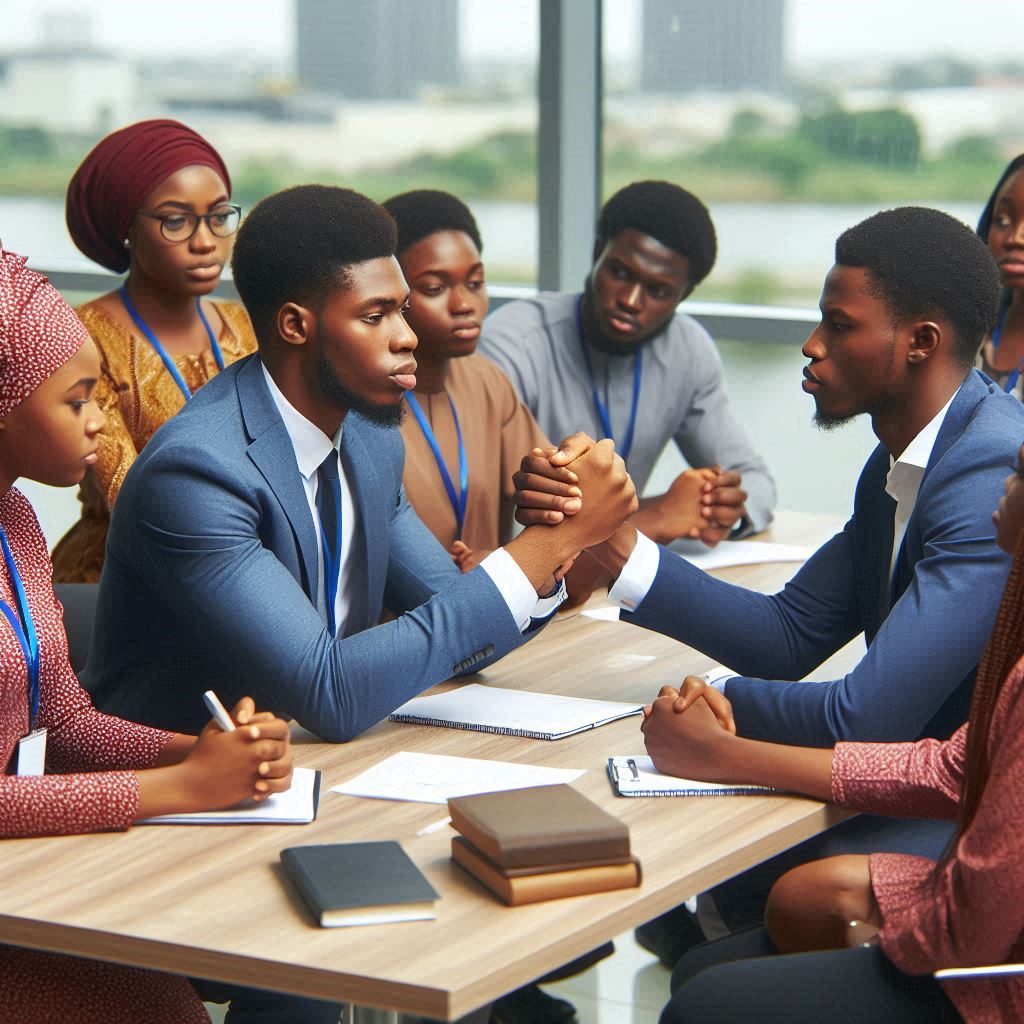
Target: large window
(378,95)
(793,120)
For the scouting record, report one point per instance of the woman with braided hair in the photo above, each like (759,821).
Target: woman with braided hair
(863,934)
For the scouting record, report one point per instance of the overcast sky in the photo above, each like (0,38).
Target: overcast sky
(817,30)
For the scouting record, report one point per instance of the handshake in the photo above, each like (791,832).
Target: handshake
(569,499)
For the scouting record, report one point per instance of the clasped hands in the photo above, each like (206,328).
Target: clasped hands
(688,731)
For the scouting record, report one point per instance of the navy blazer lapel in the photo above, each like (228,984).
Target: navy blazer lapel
(972,391)
(369,496)
(273,455)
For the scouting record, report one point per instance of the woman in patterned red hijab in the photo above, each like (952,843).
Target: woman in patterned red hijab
(49,424)
(152,199)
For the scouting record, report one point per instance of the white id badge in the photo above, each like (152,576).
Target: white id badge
(32,753)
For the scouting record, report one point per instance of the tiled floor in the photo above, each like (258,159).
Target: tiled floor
(630,987)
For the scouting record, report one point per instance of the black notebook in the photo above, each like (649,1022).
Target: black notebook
(360,883)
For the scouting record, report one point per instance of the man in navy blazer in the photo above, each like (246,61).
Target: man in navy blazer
(915,569)
(225,571)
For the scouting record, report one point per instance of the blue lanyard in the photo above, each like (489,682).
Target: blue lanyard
(458,501)
(24,629)
(172,369)
(602,409)
(1011,381)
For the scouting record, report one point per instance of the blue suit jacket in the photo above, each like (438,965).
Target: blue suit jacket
(925,634)
(211,576)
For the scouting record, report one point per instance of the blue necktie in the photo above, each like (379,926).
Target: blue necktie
(328,508)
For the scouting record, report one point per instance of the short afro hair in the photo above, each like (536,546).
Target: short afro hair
(925,264)
(426,211)
(297,246)
(675,217)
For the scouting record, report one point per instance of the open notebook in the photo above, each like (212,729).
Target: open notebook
(295,806)
(635,775)
(539,716)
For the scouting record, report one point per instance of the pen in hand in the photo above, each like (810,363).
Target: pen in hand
(216,709)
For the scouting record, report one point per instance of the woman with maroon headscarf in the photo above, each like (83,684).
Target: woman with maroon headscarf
(152,199)
(66,767)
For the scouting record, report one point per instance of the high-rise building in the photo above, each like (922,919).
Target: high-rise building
(712,44)
(376,49)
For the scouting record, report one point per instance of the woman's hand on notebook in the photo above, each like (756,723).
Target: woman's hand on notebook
(253,762)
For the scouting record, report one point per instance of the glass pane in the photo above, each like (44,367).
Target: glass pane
(793,121)
(377,95)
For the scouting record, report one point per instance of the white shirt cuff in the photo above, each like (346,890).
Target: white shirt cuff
(517,591)
(718,677)
(637,574)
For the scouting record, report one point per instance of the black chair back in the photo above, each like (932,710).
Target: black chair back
(79,600)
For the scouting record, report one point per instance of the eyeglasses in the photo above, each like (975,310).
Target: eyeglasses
(180,227)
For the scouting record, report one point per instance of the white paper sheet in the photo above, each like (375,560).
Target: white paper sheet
(434,778)
(295,806)
(607,613)
(743,552)
(546,716)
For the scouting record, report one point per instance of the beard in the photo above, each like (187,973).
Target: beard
(597,339)
(828,422)
(386,415)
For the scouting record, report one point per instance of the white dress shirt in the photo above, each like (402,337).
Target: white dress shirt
(312,446)
(902,483)
(905,475)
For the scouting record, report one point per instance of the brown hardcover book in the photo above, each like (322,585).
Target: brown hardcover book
(520,889)
(544,825)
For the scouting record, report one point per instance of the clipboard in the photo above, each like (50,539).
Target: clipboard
(635,775)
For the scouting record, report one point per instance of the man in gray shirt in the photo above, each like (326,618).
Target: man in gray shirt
(619,361)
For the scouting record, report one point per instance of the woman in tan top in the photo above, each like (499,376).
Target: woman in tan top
(152,199)
(463,404)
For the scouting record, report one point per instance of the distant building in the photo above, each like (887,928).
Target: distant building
(75,90)
(376,49)
(712,44)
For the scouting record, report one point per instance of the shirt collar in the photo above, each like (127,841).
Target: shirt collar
(310,443)
(916,455)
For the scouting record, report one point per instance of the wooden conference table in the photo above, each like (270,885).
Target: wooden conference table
(214,902)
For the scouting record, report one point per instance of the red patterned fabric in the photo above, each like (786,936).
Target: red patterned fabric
(972,914)
(39,331)
(109,187)
(80,738)
(40,988)
(47,988)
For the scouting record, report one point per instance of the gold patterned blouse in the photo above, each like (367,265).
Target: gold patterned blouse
(137,395)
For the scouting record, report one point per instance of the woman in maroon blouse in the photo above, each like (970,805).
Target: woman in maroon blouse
(101,773)
(904,916)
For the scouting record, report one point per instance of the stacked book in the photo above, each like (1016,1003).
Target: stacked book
(528,845)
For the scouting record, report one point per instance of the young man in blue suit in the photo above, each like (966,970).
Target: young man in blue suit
(904,311)
(262,531)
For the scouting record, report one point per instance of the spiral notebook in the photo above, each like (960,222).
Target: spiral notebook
(539,716)
(634,775)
